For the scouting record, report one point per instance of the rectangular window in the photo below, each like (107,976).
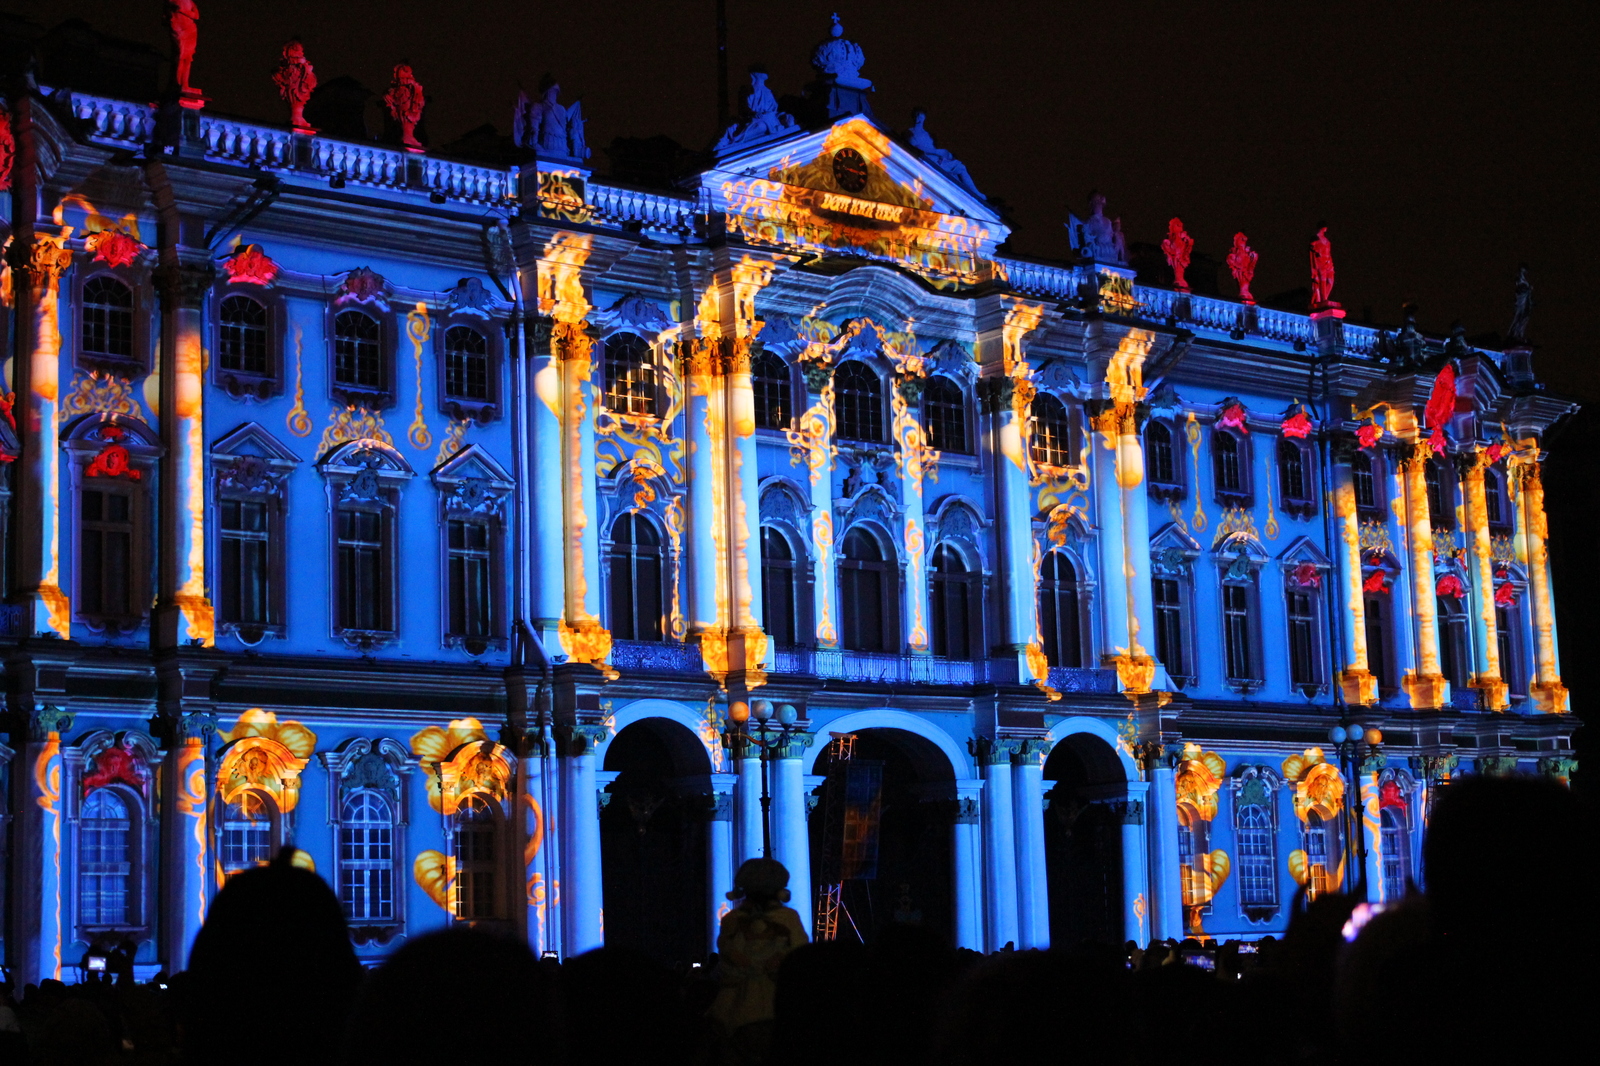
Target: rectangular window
(471,602)
(1236,632)
(105,586)
(1377,644)
(1169,625)
(1257,879)
(1394,864)
(1316,839)
(363,564)
(246,562)
(1365,483)
(366,871)
(1302,639)
(1505,637)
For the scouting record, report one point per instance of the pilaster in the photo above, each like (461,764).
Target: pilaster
(1426,687)
(1549,694)
(1355,675)
(1488,673)
(999,840)
(1033,890)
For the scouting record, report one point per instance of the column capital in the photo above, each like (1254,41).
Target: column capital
(790,745)
(46,719)
(995,751)
(1559,767)
(1032,751)
(43,260)
(581,739)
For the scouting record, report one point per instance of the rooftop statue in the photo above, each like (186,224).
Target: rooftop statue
(841,60)
(922,141)
(840,86)
(1178,247)
(405,103)
(1517,334)
(296,81)
(1242,262)
(183,19)
(1321,271)
(1097,237)
(554,131)
(762,119)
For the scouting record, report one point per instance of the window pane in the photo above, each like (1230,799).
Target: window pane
(1058,611)
(769,379)
(944,413)
(363,571)
(466,363)
(1051,438)
(1226,449)
(1377,642)
(858,399)
(1158,454)
(630,381)
(1169,625)
(1366,491)
(105,862)
(778,592)
(357,359)
(366,857)
(242,338)
(107,318)
(1236,631)
(1257,878)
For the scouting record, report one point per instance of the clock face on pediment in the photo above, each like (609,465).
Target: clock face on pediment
(850,190)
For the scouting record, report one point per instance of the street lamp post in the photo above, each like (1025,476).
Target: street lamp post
(771,729)
(1350,738)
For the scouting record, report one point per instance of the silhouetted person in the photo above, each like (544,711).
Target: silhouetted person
(272,975)
(754,938)
(1037,1006)
(643,995)
(492,986)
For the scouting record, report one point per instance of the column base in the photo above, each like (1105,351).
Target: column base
(1549,697)
(1493,694)
(1359,687)
(1428,692)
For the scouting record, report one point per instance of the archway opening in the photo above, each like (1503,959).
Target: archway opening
(653,841)
(908,874)
(1085,807)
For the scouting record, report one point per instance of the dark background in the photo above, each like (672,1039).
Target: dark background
(1442,143)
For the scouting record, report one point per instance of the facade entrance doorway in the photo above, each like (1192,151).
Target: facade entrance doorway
(653,841)
(1085,805)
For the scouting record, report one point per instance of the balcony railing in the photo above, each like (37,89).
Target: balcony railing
(656,656)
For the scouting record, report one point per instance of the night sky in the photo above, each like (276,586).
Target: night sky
(1442,143)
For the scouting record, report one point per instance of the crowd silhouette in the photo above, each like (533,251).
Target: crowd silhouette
(1489,963)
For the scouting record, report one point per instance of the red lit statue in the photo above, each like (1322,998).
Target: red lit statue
(405,103)
(1242,261)
(296,80)
(1321,271)
(183,18)
(1178,247)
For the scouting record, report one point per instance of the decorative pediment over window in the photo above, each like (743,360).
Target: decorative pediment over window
(480,766)
(115,447)
(379,765)
(129,759)
(783,501)
(363,286)
(632,314)
(471,482)
(249,264)
(364,469)
(1173,551)
(469,297)
(957,518)
(264,755)
(954,359)
(780,337)
(1304,564)
(250,459)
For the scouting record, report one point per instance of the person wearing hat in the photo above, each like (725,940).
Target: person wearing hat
(754,938)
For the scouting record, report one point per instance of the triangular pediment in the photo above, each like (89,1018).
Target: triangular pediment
(850,189)
(472,462)
(252,439)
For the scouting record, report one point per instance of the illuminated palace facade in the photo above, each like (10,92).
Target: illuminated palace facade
(445,522)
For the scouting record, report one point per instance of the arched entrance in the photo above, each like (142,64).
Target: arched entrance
(1085,802)
(912,876)
(653,841)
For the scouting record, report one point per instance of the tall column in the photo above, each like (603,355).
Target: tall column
(746,518)
(185,836)
(36,272)
(42,926)
(702,416)
(745,758)
(719,854)
(1355,676)
(183,613)
(582,893)
(911,457)
(1135,869)
(1372,827)
(1488,675)
(1019,626)
(1162,825)
(966,853)
(1426,686)
(546,511)
(999,842)
(533,787)
(791,841)
(1033,892)
(1549,694)
(814,439)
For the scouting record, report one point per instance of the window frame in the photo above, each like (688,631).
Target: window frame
(1241,494)
(1380,620)
(375,398)
(1042,447)
(275,825)
(1080,613)
(637,519)
(1439,486)
(1171,486)
(1183,607)
(1374,475)
(86,441)
(1498,520)
(342,847)
(485,410)
(493,869)
(962,414)
(1249,590)
(240,384)
(137,280)
(493,554)
(887,567)
(1256,788)
(758,392)
(798,568)
(381,766)
(943,584)
(873,407)
(136,901)
(1304,504)
(1401,855)
(1454,628)
(1317,680)
(370,477)
(647,392)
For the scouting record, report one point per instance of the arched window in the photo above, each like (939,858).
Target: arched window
(953,605)
(1051,437)
(1194,834)
(1060,612)
(106,852)
(1365,483)
(780,587)
(1396,841)
(243,336)
(107,318)
(944,413)
(1294,480)
(466,364)
(1376,613)
(867,595)
(630,376)
(1441,504)
(357,352)
(635,579)
(1305,660)
(1227,451)
(476,847)
(247,833)
(1494,500)
(1455,646)
(366,857)
(1258,879)
(769,379)
(858,395)
(1160,459)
